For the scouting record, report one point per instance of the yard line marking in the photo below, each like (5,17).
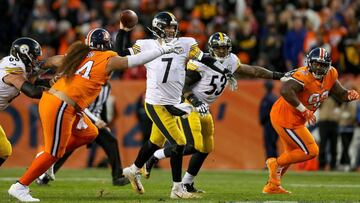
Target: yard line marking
(326,185)
(63,179)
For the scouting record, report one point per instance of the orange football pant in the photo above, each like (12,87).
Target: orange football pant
(299,145)
(59,121)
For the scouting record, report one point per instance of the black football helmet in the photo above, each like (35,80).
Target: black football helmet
(28,51)
(219,46)
(318,62)
(98,39)
(160,21)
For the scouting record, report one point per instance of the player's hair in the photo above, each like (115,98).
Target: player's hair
(75,55)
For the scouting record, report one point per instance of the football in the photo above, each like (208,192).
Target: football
(128,18)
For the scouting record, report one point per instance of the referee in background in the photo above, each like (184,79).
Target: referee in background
(97,112)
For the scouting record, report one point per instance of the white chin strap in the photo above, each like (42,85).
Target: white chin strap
(319,77)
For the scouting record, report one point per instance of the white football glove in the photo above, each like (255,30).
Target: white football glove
(170,47)
(202,109)
(231,80)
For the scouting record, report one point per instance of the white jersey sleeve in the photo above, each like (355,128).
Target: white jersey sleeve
(9,65)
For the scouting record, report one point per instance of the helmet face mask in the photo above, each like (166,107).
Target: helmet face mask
(98,39)
(318,62)
(220,46)
(28,51)
(319,69)
(164,26)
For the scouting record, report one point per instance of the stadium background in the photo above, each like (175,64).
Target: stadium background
(274,34)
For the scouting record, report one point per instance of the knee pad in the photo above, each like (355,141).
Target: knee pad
(178,149)
(5,149)
(313,150)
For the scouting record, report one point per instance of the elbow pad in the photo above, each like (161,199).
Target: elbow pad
(31,90)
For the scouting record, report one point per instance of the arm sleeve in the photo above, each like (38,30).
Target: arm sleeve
(31,90)
(120,42)
(212,63)
(191,78)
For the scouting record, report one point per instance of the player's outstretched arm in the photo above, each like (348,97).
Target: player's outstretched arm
(120,63)
(20,83)
(343,94)
(259,72)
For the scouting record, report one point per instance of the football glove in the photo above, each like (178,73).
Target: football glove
(199,106)
(353,95)
(170,47)
(231,79)
(309,116)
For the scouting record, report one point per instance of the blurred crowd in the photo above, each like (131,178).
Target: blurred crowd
(275,34)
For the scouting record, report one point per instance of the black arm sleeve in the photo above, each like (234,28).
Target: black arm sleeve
(212,63)
(120,43)
(31,90)
(191,78)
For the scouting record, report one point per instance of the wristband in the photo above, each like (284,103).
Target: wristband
(301,107)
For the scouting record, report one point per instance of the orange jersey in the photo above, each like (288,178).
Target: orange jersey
(90,75)
(313,94)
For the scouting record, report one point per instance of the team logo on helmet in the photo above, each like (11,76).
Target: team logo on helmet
(24,49)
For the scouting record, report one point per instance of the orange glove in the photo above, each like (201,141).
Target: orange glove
(353,95)
(309,116)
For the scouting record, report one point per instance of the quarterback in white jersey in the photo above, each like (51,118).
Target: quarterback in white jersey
(202,87)
(14,72)
(166,74)
(164,86)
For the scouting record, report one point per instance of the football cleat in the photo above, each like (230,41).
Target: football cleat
(272,166)
(271,188)
(120,181)
(42,180)
(192,189)
(22,193)
(149,165)
(179,192)
(134,178)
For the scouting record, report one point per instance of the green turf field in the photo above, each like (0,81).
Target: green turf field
(220,186)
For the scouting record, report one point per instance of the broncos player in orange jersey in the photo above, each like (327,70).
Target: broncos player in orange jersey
(303,91)
(83,70)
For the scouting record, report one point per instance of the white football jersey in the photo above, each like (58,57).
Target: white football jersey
(166,74)
(9,64)
(212,83)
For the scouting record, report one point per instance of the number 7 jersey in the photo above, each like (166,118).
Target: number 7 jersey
(313,94)
(166,74)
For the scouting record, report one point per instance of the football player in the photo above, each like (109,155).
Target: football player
(202,87)
(97,113)
(303,91)
(84,69)
(16,71)
(164,85)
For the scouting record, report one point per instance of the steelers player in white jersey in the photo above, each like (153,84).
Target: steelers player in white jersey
(202,87)
(15,72)
(163,104)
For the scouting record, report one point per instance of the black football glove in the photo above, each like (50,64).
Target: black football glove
(200,106)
